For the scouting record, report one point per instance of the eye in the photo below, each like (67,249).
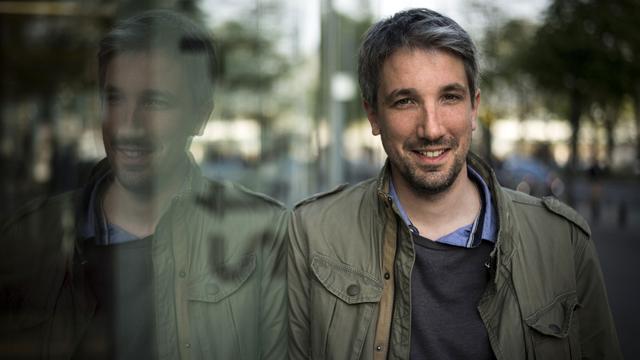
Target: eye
(403,102)
(156,103)
(452,98)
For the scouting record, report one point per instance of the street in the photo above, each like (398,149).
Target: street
(619,250)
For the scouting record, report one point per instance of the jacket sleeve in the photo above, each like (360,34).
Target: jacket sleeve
(298,292)
(598,338)
(273,321)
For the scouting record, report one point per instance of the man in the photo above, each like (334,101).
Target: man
(433,259)
(150,259)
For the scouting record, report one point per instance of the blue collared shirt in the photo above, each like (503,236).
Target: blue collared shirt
(466,235)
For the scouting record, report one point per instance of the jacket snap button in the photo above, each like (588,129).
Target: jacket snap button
(387,275)
(353,290)
(555,328)
(183,274)
(378,348)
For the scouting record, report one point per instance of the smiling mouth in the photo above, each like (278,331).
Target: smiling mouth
(134,148)
(133,152)
(431,154)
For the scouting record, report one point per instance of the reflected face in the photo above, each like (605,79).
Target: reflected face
(425,118)
(146,110)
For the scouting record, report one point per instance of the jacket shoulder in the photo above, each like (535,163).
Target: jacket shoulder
(559,208)
(344,196)
(338,189)
(551,206)
(23,212)
(230,194)
(332,215)
(256,196)
(36,207)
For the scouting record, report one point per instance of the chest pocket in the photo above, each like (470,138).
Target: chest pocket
(554,329)
(224,281)
(223,311)
(344,300)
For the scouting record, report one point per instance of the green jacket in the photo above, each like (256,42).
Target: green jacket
(219,276)
(545,298)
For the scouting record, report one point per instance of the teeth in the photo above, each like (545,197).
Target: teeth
(134,153)
(431,154)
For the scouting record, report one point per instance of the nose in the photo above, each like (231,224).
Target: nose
(130,117)
(429,126)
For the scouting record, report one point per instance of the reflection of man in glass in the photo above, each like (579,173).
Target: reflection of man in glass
(149,259)
(433,259)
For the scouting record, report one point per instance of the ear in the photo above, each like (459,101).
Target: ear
(201,117)
(474,110)
(372,116)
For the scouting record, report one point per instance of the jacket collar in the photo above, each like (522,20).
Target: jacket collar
(504,246)
(193,182)
(382,184)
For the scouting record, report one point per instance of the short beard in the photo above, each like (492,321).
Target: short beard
(428,186)
(432,186)
(144,188)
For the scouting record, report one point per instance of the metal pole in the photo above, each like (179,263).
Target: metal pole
(333,107)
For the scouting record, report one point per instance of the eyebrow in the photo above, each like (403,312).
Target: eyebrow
(412,91)
(154,93)
(454,87)
(148,92)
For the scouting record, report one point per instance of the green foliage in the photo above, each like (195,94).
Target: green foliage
(250,64)
(502,50)
(587,52)
(586,47)
(248,58)
(510,89)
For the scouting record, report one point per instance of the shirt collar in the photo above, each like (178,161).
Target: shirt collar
(96,225)
(489,229)
(464,236)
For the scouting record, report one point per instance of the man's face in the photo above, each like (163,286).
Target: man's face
(425,118)
(146,112)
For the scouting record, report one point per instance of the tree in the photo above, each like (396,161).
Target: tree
(510,88)
(250,66)
(575,57)
(625,31)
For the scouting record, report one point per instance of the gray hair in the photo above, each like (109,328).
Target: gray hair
(419,29)
(176,36)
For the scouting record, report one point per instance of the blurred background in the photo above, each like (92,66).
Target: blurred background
(560,112)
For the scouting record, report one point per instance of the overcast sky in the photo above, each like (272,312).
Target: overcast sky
(456,8)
